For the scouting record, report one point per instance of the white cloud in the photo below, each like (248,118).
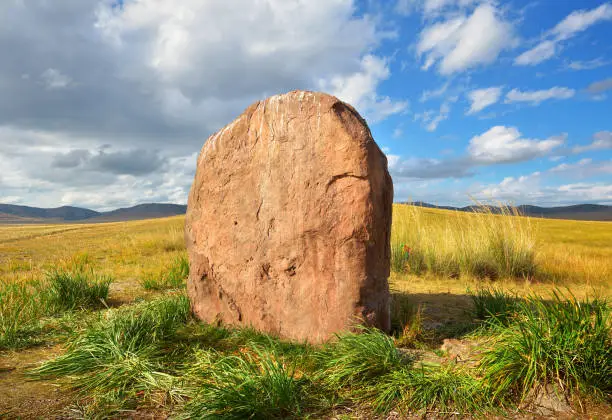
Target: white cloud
(191,59)
(569,166)
(432,118)
(359,89)
(580,20)
(36,163)
(587,65)
(537,96)
(482,98)
(54,79)
(600,86)
(161,74)
(442,115)
(575,22)
(406,7)
(587,192)
(458,44)
(584,168)
(601,140)
(523,188)
(392,161)
(533,189)
(397,133)
(541,52)
(435,93)
(432,8)
(504,144)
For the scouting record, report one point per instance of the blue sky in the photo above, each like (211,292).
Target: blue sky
(578,169)
(106,104)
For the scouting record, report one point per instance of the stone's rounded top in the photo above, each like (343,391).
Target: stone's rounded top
(298,107)
(288,220)
(300,95)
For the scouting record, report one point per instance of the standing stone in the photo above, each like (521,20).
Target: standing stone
(289,221)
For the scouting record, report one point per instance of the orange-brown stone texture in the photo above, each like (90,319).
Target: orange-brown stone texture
(289,220)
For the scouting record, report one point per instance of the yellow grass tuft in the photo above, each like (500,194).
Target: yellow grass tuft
(454,244)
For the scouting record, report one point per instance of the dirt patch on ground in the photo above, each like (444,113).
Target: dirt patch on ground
(21,397)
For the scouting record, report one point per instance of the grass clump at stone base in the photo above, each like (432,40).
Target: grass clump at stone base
(356,358)
(435,388)
(494,305)
(258,383)
(560,342)
(123,353)
(151,354)
(23,305)
(172,278)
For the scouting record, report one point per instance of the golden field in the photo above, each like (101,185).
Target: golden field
(572,254)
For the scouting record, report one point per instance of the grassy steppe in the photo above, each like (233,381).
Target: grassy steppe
(477,327)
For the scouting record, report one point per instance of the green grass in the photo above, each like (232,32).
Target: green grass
(406,321)
(20,311)
(149,353)
(24,305)
(122,355)
(258,385)
(433,388)
(494,305)
(141,357)
(356,358)
(172,278)
(66,291)
(562,342)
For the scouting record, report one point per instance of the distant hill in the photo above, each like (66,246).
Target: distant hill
(594,212)
(142,211)
(13,214)
(65,213)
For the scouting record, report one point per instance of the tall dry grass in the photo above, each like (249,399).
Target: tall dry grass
(482,244)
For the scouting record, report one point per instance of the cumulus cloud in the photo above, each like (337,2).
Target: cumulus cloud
(482,98)
(601,140)
(153,79)
(502,144)
(586,192)
(124,162)
(458,44)
(534,189)
(535,97)
(498,145)
(572,24)
(523,188)
(359,89)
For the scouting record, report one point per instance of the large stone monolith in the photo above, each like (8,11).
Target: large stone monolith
(289,220)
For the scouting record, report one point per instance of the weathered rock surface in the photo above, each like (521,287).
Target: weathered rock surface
(288,221)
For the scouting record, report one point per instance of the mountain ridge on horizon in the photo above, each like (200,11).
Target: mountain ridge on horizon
(14,214)
(586,211)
